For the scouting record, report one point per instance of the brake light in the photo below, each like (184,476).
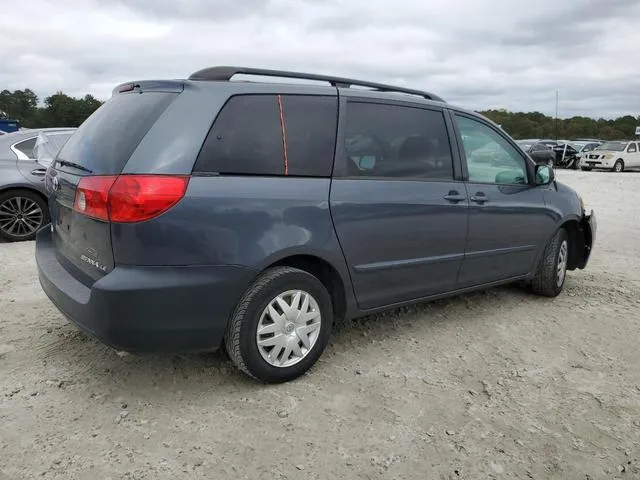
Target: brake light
(134,198)
(92,197)
(128,198)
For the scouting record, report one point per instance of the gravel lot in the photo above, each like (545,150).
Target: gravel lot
(496,384)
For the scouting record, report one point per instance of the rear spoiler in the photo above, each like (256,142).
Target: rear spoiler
(169,86)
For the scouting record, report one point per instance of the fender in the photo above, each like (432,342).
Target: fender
(336,261)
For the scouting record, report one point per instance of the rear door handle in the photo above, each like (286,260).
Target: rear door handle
(479,198)
(41,172)
(455,197)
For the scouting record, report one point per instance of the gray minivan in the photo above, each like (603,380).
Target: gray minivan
(191,214)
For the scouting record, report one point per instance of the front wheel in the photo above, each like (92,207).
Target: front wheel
(618,166)
(552,272)
(280,326)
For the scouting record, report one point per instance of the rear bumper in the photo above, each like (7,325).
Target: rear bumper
(146,309)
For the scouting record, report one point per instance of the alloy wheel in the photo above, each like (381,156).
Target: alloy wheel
(20,216)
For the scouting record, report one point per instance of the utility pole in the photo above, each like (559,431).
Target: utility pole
(556,115)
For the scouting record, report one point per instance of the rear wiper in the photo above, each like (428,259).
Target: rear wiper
(66,163)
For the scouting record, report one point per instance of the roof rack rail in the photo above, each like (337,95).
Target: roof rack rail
(225,73)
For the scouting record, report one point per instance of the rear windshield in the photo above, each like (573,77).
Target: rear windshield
(106,140)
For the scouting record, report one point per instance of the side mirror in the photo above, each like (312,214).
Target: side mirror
(544,175)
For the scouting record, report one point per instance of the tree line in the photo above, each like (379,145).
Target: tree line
(58,110)
(61,110)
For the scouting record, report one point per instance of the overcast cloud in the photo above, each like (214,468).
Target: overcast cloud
(475,53)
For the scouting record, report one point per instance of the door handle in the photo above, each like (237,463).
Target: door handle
(455,197)
(41,172)
(479,198)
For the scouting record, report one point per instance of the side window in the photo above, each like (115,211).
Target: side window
(490,157)
(272,135)
(26,146)
(396,141)
(310,130)
(246,138)
(632,148)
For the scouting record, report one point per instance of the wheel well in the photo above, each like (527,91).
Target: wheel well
(24,189)
(324,272)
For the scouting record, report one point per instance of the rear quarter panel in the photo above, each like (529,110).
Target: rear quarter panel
(226,220)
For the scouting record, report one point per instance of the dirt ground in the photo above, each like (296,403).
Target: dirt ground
(496,384)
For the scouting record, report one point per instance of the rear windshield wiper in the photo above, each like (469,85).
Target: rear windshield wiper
(66,163)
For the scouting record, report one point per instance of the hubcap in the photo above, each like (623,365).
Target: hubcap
(20,216)
(288,329)
(618,167)
(563,256)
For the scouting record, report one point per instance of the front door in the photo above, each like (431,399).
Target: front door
(632,158)
(400,216)
(508,220)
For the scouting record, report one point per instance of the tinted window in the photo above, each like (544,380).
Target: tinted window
(490,157)
(106,140)
(395,141)
(251,133)
(632,148)
(26,146)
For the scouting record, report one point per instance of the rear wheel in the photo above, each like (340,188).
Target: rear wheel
(586,169)
(552,272)
(280,326)
(618,166)
(22,214)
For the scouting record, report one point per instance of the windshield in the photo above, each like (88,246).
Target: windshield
(613,146)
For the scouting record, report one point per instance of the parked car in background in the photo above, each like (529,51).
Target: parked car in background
(539,152)
(191,214)
(23,203)
(615,156)
(549,143)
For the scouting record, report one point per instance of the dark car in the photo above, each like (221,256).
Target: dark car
(539,152)
(23,204)
(191,214)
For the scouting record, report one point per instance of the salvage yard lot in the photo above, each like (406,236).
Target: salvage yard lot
(496,384)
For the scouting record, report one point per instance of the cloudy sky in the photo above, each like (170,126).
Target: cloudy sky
(479,54)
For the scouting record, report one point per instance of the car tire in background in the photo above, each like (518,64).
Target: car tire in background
(552,272)
(22,214)
(280,326)
(618,167)
(585,169)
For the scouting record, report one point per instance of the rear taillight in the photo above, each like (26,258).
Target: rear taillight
(92,197)
(128,198)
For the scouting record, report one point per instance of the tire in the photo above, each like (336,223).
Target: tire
(585,169)
(22,214)
(548,281)
(618,167)
(241,337)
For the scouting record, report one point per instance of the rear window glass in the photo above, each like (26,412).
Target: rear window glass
(106,140)
(272,135)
